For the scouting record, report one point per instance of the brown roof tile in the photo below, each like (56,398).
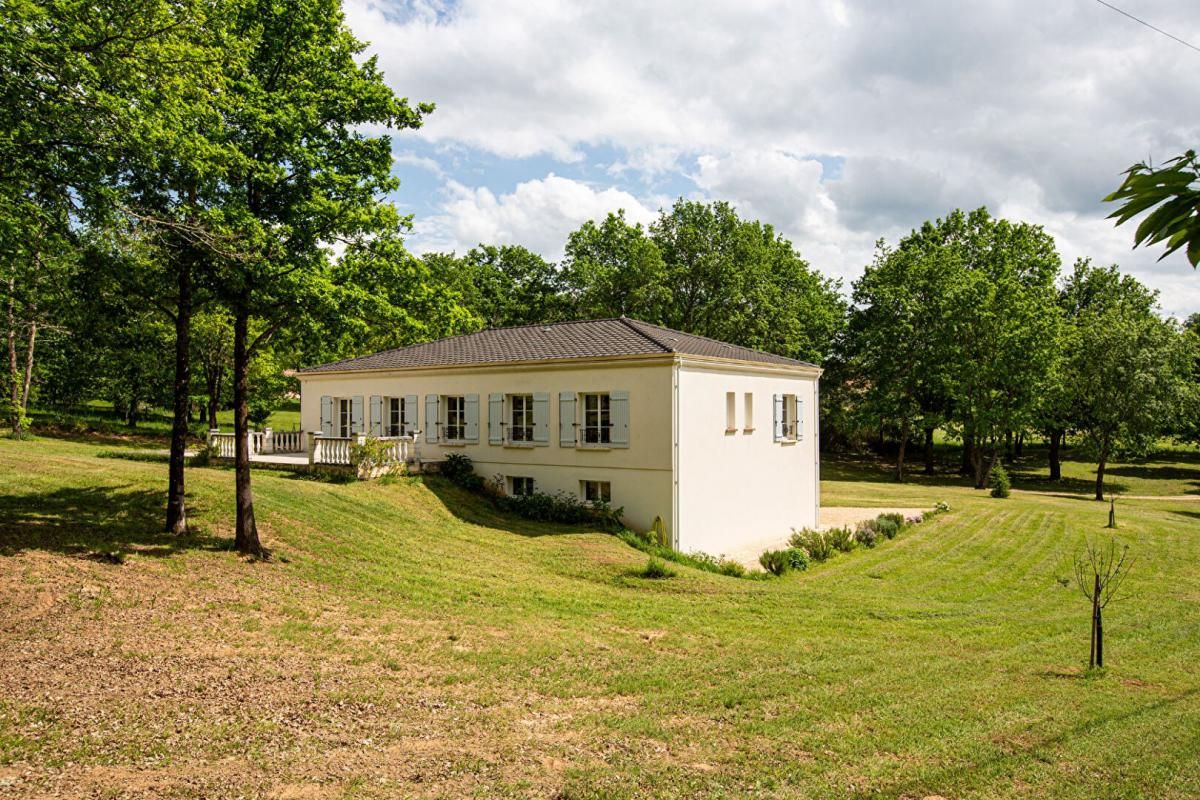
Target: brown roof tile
(583,339)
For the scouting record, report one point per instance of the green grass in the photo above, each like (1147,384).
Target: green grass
(408,640)
(98,416)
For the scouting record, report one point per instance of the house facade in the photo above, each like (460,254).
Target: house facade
(717,441)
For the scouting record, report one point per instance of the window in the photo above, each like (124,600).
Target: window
(597,491)
(730,412)
(788,428)
(393,417)
(455,429)
(520,487)
(520,427)
(344,416)
(597,421)
(748,422)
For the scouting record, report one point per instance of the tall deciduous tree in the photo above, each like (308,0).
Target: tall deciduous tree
(615,269)
(1125,365)
(310,174)
(506,285)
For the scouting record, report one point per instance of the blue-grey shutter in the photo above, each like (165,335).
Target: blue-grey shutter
(376,418)
(356,414)
(778,406)
(541,419)
(472,414)
(326,415)
(566,419)
(799,418)
(495,417)
(408,413)
(618,409)
(432,417)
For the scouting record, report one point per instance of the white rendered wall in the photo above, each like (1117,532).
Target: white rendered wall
(640,474)
(741,492)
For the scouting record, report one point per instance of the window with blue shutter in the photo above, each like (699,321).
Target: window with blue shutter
(495,417)
(432,417)
(619,415)
(376,418)
(409,414)
(471,429)
(566,419)
(541,419)
(326,415)
(780,420)
(356,415)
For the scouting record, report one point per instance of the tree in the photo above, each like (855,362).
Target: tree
(898,344)
(1175,189)
(212,350)
(614,269)
(1125,364)
(1099,573)
(505,286)
(1000,315)
(309,173)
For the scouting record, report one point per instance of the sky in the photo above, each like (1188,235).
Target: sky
(840,122)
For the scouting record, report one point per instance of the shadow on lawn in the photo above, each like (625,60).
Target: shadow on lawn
(476,510)
(1016,750)
(94,519)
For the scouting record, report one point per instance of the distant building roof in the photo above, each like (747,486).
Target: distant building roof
(583,339)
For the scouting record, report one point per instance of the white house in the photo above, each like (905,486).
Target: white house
(718,441)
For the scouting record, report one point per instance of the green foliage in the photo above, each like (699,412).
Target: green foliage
(999,482)
(813,542)
(868,533)
(797,558)
(502,286)
(1175,189)
(561,507)
(776,562)
(701,561)
(370,455)
(841,539)
(457,468)
(656,570)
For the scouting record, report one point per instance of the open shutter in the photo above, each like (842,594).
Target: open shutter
(618,405)
(326,415)
(408,414)
(495,417)
(778,416)
(566,419)
(432,417)
(799,418)
(356,414)
(376,418)
(541,419)
(472,414)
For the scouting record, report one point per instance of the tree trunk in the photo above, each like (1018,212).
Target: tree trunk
(1019,449)
(1095,619)
(246,536)
(929,451)
(29,345)
(13,375)
(176,495)
(1100,474)
(900,455)
(1099,636)
(1056,437)
(1008,447)
(968,455)
(982,465)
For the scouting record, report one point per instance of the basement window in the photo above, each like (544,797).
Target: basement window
(597,491)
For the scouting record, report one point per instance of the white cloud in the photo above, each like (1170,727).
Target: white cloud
(538,214)
(1019,104)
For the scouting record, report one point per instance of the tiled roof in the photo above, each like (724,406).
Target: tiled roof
(583,339)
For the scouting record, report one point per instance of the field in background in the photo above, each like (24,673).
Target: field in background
(99,416)
(409,641)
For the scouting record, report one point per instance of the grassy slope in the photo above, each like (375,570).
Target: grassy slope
(409,642)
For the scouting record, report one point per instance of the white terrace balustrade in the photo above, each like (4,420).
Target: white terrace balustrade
(298,448)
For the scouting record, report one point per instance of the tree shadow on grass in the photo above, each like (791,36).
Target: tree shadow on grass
(95,519)
(1008,760)
(1188,514)
(477,510)
(1163,472)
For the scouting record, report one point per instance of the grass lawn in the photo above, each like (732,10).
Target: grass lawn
(156,421)
(409,642)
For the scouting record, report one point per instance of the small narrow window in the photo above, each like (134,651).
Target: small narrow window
(748,413)
(597,419)
(520,486)
(395,417)
(344,418)
(455,429)
(730,412)
(520,428)
(597,491)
